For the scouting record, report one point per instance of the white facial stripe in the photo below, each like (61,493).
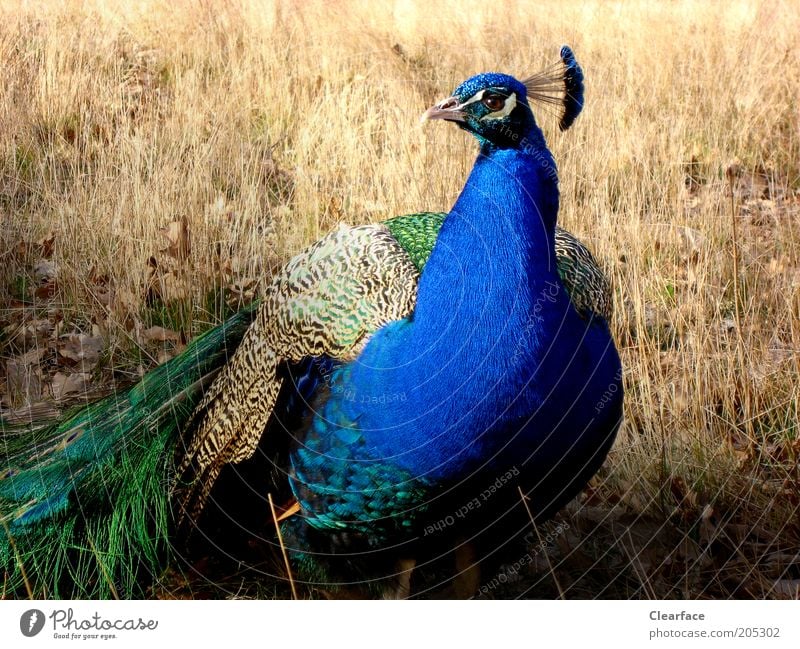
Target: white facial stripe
(511,104)
(476,97)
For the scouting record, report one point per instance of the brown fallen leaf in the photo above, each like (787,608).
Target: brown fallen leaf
(103,295)
(31,357)
(160,334)
(177,234)
(82,349)
(66,384)
(46,290)
(32,413)
(163,286)
(23,378)
(39,329)
(46,244)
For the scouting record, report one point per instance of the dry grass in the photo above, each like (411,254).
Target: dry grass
(142,146)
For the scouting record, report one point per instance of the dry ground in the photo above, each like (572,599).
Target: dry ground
(158,159)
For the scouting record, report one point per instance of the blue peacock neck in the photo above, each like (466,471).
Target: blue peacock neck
(488,308)
(492,280)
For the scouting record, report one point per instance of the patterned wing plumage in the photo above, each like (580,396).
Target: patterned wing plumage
(326,302)
(587,285)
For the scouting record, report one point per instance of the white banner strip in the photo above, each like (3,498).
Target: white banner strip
(352,624)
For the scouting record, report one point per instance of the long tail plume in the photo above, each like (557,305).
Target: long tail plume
(84,502)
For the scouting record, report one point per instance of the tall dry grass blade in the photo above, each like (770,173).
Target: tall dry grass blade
(553,575)
(13,544)
(283,547)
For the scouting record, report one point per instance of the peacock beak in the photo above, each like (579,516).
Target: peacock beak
(450,109)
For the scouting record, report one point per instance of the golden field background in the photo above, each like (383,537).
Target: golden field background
(154,154)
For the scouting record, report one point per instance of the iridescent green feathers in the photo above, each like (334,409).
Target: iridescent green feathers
(86,500)
(416,234)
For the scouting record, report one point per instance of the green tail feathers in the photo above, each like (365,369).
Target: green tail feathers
(84,502)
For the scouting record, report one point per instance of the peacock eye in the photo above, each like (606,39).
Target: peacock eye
(494,102)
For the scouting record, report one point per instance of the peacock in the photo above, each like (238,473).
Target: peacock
(389,374)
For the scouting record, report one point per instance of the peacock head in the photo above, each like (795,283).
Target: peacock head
(495,107)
